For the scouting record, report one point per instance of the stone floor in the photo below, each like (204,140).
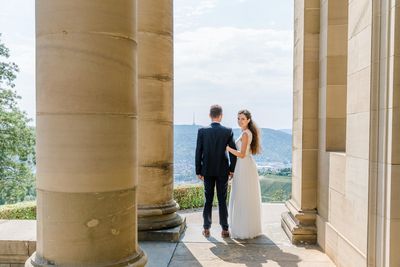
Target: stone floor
(271,249)
(17,242)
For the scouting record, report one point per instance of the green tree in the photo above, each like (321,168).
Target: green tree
(17,138)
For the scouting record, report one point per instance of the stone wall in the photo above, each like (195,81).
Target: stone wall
(17,242)
(343,180)
(357,189)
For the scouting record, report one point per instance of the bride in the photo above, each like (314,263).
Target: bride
(245,197)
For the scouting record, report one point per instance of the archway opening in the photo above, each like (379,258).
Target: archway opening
(238,54)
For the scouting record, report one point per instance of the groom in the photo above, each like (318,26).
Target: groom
(213,167)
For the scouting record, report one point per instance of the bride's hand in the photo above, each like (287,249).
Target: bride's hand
(227,148)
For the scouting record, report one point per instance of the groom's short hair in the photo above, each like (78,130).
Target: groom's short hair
(215,111)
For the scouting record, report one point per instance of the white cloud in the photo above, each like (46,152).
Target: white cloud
(193,7)
(237,67)
(228,53)
(186,12)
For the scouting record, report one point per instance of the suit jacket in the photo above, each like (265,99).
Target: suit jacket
(211,155)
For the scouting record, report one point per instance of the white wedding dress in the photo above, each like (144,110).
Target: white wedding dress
(245,198)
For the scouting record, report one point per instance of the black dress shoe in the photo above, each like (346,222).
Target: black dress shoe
(206,232)
(225,233)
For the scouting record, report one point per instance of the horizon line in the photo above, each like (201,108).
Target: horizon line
(280,129)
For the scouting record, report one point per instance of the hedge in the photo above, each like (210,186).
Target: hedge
(192,196)
(19,211)
(188,197)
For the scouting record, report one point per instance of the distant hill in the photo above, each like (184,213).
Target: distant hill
(288,131)
(277,150)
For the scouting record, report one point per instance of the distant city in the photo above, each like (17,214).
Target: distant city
(276,155)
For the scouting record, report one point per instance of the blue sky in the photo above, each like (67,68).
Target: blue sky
(237,53)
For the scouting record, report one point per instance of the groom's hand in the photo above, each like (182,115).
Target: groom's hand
(230,175)
(200,177)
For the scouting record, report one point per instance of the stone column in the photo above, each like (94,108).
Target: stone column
(299,222)
(157,209)
(384,171)
(86,134)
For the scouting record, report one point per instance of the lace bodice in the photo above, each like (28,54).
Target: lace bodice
(239,142)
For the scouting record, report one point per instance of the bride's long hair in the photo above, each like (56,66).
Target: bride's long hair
(255,145)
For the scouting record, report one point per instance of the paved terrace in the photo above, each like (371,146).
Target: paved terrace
(271,249)
(17,241)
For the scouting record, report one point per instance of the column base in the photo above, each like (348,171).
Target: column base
(160,222)
(169,235)
(137,260)
(299,225)
(152,223)
(158,217)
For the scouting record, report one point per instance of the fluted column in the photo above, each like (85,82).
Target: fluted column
(157,209)
(86,134)
(299,222)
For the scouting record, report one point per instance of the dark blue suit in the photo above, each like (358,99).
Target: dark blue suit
(212,162)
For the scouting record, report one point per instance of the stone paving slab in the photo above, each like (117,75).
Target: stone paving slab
(272,231)
(18,230)
(228,254)
(271,213)
(246,253)
(159,253)
(249,264)
(273,248)
(272,235)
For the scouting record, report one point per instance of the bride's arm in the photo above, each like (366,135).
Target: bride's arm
(239,153)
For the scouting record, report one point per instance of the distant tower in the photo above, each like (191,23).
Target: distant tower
(194,119)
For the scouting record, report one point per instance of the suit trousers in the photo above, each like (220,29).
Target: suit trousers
(222,191)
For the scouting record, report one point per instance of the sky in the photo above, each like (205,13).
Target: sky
(236,53)
(17,28)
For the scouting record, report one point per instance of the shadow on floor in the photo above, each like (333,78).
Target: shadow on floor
(229,252)
(252,254)
(272,248)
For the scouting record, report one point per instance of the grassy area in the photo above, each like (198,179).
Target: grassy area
(274,188)
(19,211)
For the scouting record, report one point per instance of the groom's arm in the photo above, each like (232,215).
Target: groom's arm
(199,152)
(232,158)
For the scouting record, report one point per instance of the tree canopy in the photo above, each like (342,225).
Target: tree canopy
(17,138)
